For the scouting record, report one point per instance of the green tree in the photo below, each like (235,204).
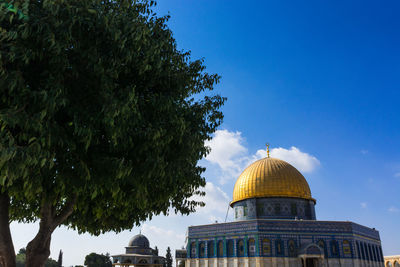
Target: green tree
(60,258)
(51,263)
(21,259)
(97,260)
(102,119)
(168,258)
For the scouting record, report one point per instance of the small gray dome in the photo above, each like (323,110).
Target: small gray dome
(139,241)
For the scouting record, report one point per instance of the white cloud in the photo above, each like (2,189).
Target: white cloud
(227,150)
(393,209)
(150,230)
(364,151)
(397,174)
(363,205)
(163,238)
(216,200)
(232,157)
(302,161)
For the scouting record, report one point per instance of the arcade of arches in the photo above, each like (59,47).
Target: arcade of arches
(392,261)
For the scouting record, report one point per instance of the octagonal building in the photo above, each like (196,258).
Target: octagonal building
(275,225)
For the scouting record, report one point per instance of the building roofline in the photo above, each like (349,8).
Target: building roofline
(283,220)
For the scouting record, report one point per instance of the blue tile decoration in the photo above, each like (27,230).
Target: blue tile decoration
(363,242)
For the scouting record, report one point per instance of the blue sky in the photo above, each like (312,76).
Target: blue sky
(319,76)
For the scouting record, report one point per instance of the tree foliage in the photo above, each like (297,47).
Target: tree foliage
(21,258)
(60,259)
(102,118)
(97,260)
(168,258)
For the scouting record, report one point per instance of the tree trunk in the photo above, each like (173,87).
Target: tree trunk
(38,250)
(7,252)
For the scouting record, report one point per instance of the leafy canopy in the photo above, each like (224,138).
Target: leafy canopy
(21,257)
(168,258)
(98,106)
(97,260)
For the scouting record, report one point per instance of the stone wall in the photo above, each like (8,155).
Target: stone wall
(392,261)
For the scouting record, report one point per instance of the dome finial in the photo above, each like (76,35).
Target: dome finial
(267,149)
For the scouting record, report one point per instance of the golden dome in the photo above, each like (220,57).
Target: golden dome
(270,177)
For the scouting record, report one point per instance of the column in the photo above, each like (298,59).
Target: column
(246,252)
(246,260)
(259,262)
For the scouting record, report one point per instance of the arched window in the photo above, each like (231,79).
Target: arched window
(142,261)
(363,255)
(321,244)
(366,251)
(381,253)
(293,209)
(308,211)
(260,209)
(396,264)
(220,250)
(279,247)
(381,259)
(371,252)
(277,209)
(389,264)
(230,251)
(334,248)
(378,256)
(374,253)
(202,249)
(210,249)
(252,247)
(292,248)
(193,250)
(266,247)
(346,248)
(240,248)
(245,211)
(358,249)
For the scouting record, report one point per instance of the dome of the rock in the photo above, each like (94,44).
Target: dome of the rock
(270,177)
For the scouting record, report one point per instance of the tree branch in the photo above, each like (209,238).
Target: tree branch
(38,250)
(65,212)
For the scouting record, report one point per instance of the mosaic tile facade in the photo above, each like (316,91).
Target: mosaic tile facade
(330,241)
(275,225)
(274,208)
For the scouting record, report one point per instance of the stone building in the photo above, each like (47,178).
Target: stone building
(138,253)
(275,225)
(392,261)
